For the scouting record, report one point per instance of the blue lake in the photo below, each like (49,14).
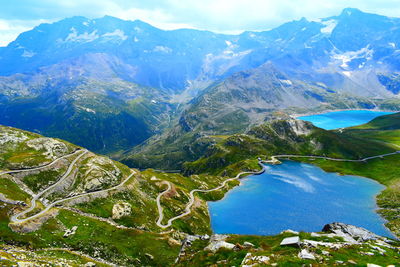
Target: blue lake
(342,119)
(297,196)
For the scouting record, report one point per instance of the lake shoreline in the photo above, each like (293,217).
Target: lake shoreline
(374,209)
(297,115)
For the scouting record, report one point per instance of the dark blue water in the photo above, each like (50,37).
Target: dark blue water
(342,119)
(297,196)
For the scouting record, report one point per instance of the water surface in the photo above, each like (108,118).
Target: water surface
(297,196)
(342,119)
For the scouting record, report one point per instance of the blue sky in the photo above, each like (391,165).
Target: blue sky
(228,16)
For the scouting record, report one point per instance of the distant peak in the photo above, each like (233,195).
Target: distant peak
(350,11)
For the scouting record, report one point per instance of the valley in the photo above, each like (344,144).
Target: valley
(165,209)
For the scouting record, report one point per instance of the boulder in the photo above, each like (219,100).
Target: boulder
(291,241)
(248,245)
(350,233)
(214,246)
(305,254)
(70,232)
(250,260)
(289,231)
(121,209)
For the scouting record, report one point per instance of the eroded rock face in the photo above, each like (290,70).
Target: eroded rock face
(350,233)
(53,148)
(121,209)
(300,127)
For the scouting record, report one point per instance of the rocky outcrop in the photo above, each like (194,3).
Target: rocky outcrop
(99,172)
(8,136)
(253,260)
(217,242)
(350,233)
(121,209)
(52,147)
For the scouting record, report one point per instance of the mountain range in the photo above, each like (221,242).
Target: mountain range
(111,85)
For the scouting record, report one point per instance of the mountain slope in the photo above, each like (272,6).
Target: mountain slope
(101,74)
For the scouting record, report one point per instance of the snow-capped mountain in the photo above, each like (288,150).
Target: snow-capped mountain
(104,66)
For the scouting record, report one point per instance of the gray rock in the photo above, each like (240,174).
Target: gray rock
(121,209)
(70,232)
(291,241)
(305,254)
(350,233)
(148,255)
(289,231)
(214,246)
(248,244)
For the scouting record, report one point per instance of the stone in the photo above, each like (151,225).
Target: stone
(350,233)
(70,232)
(148,255)
(352,262)
(173,242)
(289,231)
(368,253)
(373,265)
(121,209)
(291,241)
(205,237)
(250,260)
(90,264)
(216,245)
(305,254)
(248,244)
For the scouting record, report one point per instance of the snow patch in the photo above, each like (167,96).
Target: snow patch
(392,45)
(135,39)
(347,57)
(81,38)
(330,25)
(347,73)
(85,23)
(286,82)
(117,34)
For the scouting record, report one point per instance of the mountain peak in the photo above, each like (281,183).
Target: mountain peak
(350,11)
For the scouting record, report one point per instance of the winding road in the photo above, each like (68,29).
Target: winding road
(191,201)
(273,160)
(48,207)
(334,159)
(14,218)
(41,167)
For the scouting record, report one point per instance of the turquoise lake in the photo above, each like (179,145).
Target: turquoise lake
(301,196)
(296,196)
(342,119)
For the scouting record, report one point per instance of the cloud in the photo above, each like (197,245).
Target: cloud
(216,15)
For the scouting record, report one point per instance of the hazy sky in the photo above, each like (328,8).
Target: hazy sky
(229,16)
